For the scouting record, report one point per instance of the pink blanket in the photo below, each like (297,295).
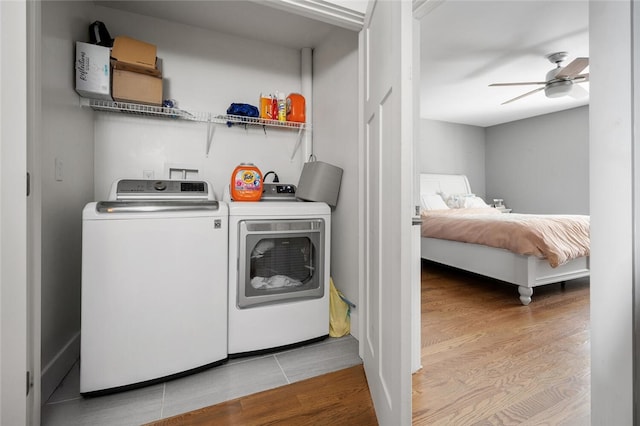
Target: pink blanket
(558,238)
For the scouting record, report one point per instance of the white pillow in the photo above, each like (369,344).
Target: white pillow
(433,202)
(464,201)
(454,201)
(474,202)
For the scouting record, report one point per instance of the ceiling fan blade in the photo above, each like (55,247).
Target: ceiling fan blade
(578,92)
(522,96)
(573,68)
(518,84)
(581,77)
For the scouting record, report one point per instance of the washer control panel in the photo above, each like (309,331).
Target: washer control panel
(141,189)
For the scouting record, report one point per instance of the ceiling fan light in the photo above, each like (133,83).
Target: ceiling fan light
(558,88)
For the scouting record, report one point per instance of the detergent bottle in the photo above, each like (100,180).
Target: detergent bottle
(266,102)
(246,183)
(295,108)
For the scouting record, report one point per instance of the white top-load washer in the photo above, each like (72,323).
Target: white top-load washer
(154,284)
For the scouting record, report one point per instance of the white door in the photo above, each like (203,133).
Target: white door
(386,46)
(13,213)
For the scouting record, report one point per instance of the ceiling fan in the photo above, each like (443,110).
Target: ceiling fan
(559,81)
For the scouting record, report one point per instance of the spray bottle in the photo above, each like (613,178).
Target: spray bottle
(282,107)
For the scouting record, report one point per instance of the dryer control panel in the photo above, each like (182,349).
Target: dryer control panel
(278,192)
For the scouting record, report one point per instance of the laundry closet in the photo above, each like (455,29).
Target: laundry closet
(82,151)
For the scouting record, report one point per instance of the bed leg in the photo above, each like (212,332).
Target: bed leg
(563,284)
(525,294)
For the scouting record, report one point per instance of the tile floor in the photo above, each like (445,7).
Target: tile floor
(238,377)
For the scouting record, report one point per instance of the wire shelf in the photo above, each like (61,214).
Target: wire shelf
(142,110)
(237,119)
(201,117)
(179,114)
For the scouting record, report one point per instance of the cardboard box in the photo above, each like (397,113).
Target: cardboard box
(125,66)
(135,87)
(93,74)
(137,55)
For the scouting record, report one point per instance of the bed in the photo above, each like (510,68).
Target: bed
(523,270)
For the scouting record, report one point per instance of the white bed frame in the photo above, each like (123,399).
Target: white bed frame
(526,272)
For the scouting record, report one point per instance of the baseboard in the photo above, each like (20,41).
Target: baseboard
(354,324)
(58,367)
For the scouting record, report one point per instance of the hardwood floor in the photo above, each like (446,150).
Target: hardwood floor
(339,398)
(487,360)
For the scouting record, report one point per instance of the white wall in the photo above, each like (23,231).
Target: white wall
(335,141)
(453,149)
(612,228)
(540,164)
(67,135)
(204,71)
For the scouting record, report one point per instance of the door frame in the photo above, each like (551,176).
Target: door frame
(13,213)
(34,206)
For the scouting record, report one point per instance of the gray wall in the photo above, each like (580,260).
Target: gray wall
(453,149)
(537,165)
(335,140)
(541,164)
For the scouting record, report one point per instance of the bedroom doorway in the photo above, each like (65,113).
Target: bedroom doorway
(460,148)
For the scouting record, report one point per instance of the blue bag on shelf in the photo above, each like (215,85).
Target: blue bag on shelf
(243,110)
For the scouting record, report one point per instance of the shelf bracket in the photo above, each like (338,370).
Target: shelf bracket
(295,148)
(211,130)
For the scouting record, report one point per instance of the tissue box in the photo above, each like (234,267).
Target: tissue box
(93,74)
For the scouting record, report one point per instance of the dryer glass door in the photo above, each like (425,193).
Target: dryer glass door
(280,261)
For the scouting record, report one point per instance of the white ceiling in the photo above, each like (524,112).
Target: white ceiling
(465,46)
(254,19)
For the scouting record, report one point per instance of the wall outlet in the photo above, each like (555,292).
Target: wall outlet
(147,174)
(181,171)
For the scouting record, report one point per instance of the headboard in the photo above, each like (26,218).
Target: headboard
(431,183)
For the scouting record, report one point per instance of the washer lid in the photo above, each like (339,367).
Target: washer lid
(141,189)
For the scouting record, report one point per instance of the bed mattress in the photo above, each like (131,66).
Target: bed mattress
(556,238)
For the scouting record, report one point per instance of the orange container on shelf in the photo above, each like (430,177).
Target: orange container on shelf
(296,108)
(266,107)
(246,183)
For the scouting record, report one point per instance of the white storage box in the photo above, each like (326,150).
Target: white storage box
(93,76)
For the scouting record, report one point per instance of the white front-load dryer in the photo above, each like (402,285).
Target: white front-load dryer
(154,285)
(279,256)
